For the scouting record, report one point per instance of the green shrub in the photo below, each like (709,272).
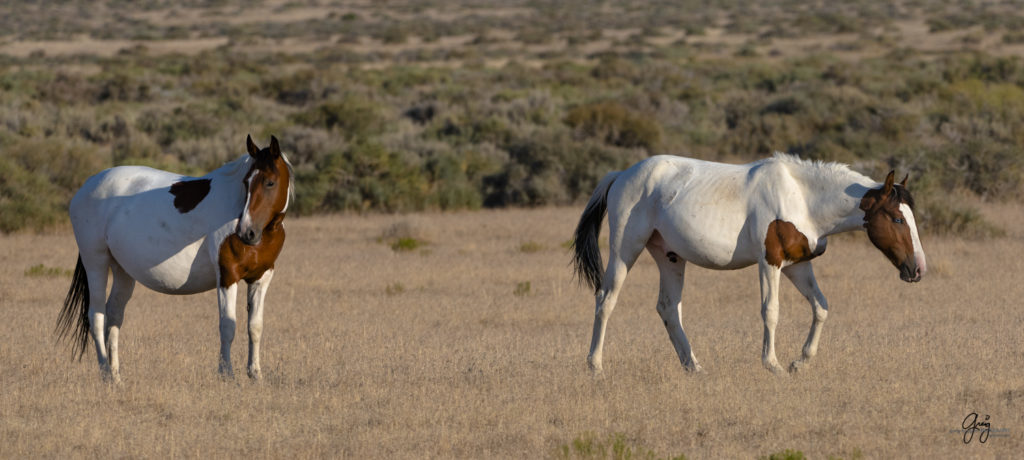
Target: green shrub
(956,219)
(192,121)
(615,125)
(352,116)
(27,200)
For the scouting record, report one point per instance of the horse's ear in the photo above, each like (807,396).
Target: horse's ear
(275,149)
(251,146)
(889,180)
(904,181)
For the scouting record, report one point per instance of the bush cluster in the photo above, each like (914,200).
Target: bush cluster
(401,137)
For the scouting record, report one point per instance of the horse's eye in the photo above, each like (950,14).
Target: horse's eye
(270,183)
(898,220)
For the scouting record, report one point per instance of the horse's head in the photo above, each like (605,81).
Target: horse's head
(889,220)
(267,187)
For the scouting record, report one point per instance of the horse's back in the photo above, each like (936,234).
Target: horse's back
(699,208)
(129,211)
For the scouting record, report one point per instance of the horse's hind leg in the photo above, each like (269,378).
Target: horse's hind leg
(121,290)
(670,304)
(620,259)
(802,276)
(97,264)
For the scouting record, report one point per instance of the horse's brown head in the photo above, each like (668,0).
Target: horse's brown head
(267,188)
(889,220)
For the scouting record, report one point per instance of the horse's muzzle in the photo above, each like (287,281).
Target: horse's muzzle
(910,272)
(250,236)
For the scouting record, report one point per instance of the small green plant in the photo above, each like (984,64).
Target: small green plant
(787,454)
(616,446)
(394,289)
(405,244)
(522,288)
(531,247)
(855,455)
(402,237)
(42,271)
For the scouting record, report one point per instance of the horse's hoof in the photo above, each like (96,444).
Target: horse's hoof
(255,374)
(775,369)
(111,378)
(225,372)
(694,369)
(797,366)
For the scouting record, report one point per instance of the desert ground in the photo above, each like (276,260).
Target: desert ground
(444,350)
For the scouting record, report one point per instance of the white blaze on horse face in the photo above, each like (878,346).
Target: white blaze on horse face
(918,249)
(246,221)
(288,196)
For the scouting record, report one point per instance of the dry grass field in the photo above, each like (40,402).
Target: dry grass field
(446,351)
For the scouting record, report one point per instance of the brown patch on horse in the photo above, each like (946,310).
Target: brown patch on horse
(885,223)
(240,261)
(784,242)
(188,193)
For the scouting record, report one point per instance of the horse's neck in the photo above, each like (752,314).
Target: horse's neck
(834,199)
(226,183)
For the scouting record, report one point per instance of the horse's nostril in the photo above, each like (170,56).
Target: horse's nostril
(250,235)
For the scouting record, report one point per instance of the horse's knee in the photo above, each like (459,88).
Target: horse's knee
(820,315)
(605,305)
(255,331)
(771,317)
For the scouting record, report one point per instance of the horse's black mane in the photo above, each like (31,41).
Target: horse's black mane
(904,196)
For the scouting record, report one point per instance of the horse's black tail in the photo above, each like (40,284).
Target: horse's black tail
(73,321)
(587,255)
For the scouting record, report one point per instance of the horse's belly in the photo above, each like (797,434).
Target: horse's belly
(711,253)
(187,271)
(710,242)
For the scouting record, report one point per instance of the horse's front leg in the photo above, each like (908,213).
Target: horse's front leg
(226,305)
(769,275)
(802,276)
(256,294)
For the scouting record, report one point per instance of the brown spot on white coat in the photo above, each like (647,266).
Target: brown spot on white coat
(783,242)
(189,193)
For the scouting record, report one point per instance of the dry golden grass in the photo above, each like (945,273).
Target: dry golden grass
(373,353)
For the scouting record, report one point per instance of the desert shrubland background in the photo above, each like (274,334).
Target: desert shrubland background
(423,304)
(403,106)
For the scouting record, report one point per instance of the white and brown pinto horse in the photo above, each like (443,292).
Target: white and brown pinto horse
(775,213)
(176,235)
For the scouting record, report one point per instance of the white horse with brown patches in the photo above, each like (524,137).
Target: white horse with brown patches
(176,235)
(776,213)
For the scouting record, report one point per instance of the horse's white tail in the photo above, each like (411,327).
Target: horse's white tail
(587,255)
(73,321)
